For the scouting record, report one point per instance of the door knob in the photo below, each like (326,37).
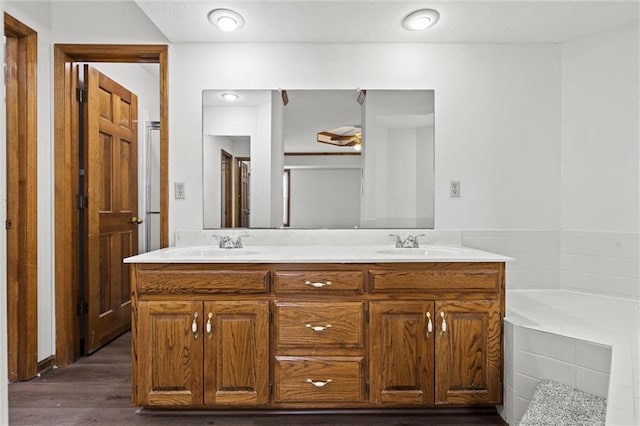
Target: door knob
(135,219)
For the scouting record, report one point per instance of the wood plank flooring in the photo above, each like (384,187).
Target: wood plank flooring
(96,390)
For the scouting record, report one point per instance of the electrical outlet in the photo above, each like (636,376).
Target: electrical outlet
(179,190)
(454,189)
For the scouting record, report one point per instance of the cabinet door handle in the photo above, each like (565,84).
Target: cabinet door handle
(194,325)
(319,383)
(318,328)
(429,324)
(208,326)
(317,284)
(444,325)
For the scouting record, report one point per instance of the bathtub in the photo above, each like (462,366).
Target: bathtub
(586,341)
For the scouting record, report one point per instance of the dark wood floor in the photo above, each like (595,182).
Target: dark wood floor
(96,390)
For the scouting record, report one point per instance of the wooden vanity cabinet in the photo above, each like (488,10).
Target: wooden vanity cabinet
(317,336)
(194,345)
(442,346)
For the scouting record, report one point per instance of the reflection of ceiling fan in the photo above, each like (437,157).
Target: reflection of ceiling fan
(342,136)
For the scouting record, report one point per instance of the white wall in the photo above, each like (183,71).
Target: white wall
(600,132)
(497,122)
(600,242)
(324,198)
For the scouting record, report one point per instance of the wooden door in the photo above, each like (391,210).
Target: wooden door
(170,344)
(401,353)
(468,352)
(111,130)
(236,367)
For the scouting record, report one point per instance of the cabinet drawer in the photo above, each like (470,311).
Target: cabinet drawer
(194,281)
(336,324)
(318,281)
(319,379)
(438,276)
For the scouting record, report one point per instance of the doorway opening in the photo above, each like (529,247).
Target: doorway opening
(226,185)
(66,154)
(243,193)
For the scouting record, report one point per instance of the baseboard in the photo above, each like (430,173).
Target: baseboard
(46,364)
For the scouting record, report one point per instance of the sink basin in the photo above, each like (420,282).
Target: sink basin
(404,252)
(433,251)
(208,251)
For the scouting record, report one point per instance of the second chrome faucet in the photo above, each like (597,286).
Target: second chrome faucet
(410,242)
(227,242)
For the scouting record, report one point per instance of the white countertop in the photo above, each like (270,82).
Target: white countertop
(316,254)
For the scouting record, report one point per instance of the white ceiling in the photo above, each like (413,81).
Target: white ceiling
(366,21)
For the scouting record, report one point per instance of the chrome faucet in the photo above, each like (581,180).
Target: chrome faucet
(227,242)
(410,242)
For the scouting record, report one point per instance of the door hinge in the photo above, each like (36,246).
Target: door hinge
(83,307)
(81,95)
(81,202)
(366,315)
(8,224)
(270,389)
(270,316)
(366,389)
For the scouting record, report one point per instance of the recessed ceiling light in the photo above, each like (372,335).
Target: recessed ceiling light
(226,19)
(420,19)
(228,96)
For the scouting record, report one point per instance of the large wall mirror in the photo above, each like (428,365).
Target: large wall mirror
(318,159)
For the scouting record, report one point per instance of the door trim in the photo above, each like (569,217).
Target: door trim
(66,178)
(22,204)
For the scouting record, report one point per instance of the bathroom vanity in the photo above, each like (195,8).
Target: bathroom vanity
(317,327)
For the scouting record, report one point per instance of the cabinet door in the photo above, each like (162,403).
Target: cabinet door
(402,350)
(169,353)
(236,366)
(468,352)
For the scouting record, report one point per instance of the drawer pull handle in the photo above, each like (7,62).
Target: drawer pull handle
(317,284)
(319,384)
(318,328)
(208,326)
(444,325)
(194,325)
(429,324)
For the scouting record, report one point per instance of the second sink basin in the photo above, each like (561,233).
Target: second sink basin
(428,251)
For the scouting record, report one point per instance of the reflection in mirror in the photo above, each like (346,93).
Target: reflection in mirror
(318,159)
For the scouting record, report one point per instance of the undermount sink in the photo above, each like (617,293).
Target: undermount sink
(404,251)
(209,252)
(422,251)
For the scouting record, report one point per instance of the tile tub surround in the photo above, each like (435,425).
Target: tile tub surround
(571,337)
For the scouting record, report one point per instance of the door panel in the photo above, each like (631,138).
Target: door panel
(236,367)
(468,353)
(112,228)
(170,359)
(402,350)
